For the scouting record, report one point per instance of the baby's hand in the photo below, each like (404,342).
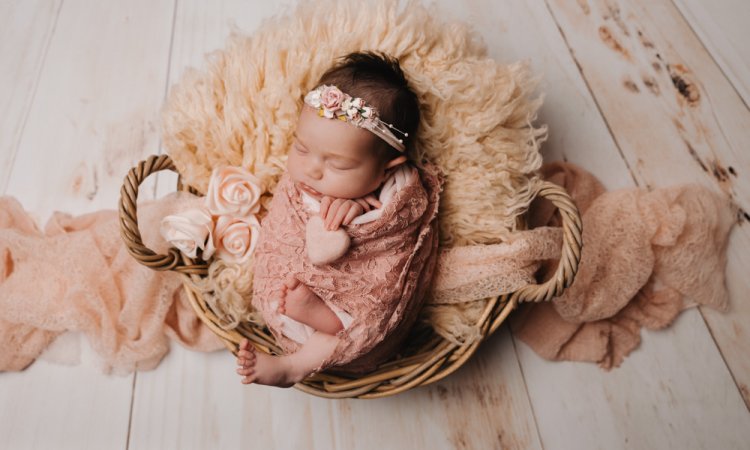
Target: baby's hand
(337,211)
(369,201)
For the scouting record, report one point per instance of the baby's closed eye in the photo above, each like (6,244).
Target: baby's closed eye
(342,165)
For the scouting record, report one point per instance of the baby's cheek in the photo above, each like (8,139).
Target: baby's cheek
(293,166)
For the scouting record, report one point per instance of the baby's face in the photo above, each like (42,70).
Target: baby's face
(334,158)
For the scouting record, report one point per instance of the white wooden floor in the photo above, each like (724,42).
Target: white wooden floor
(644,92)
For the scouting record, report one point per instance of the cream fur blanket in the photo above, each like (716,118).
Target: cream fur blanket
(242,107)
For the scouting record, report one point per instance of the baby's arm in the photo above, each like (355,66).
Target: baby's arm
(338,211)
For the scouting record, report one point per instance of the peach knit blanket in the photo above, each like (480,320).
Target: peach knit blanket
(380,281)
(647,255)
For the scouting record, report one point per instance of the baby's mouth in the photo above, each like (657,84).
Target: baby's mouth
(309,189)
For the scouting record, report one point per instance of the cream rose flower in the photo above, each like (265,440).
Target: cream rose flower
(235,237)
(313,98)
(189,231)
(233,190)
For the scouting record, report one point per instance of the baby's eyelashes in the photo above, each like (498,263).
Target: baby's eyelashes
(339,164)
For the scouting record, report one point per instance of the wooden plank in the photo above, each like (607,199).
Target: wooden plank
(92,116)
(196,401)
(577,405)
(25,31)
(722,28)
(672,392)
(54,406)
(676,119)
(577,131)
(97,104)
(483,405)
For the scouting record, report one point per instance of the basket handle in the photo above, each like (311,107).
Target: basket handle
(571,250)
(174,259)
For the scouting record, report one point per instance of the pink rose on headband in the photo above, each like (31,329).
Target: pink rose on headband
(233,190)
(236,237)
(331,99)
(189,231)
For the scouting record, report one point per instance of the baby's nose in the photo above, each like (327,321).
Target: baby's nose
(313,171)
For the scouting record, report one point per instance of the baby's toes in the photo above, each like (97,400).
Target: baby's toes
(245,371)
(248,379)
(244,354)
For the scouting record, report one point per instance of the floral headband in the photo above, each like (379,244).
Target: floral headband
(334,104)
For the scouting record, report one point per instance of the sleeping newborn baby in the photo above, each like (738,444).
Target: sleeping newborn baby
(348,248)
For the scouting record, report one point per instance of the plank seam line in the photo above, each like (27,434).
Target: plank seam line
(26,113)
(526,387)
(166,90)
(591,93)
(130,414)
(723,358)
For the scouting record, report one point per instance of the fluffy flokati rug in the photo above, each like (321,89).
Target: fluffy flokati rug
(241,109)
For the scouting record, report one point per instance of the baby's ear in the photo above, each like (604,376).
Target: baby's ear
(395,162)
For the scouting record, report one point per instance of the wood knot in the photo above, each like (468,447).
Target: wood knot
(683,83)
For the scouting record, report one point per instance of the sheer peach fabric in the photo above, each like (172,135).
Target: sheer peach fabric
(76,275)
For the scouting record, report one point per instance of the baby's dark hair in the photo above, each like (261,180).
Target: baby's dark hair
(378,79)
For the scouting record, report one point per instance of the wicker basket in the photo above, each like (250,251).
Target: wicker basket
(426,358)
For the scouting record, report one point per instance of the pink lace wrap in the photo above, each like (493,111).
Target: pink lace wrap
(381,281)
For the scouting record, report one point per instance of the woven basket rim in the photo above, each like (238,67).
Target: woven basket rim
(434,361)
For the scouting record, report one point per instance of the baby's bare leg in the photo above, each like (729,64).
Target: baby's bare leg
(301,304)
(284,371)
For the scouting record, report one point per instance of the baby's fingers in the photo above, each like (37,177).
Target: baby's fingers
(363,203)
(336,207)
(373,201)
(341,215)
(325,203)
(351,214)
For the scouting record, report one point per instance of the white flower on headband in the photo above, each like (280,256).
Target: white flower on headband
(357,103)
(313,98)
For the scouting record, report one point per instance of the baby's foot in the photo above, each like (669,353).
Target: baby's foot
(258,367)
(298,302)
